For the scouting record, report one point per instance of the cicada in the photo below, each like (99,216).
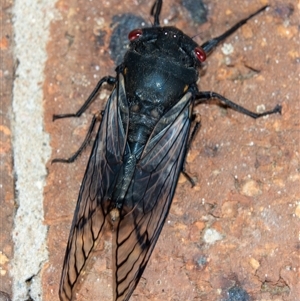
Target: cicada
(139,151)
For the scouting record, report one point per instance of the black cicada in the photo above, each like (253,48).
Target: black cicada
(139,151)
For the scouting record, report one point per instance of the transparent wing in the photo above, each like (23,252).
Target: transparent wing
(148,198)
(94,196)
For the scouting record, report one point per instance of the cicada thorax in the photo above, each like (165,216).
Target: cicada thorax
(159,68)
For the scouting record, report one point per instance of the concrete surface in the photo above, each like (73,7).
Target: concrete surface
(31,149)
(235,236)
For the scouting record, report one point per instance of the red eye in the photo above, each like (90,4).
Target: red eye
(135,34)
(200,54)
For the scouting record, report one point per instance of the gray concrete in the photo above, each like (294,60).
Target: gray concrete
(31,21)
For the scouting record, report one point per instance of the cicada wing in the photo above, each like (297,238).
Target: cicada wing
(149,197)
(93,201)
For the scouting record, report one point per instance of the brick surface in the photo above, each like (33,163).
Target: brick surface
(247,171)
(6,168)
